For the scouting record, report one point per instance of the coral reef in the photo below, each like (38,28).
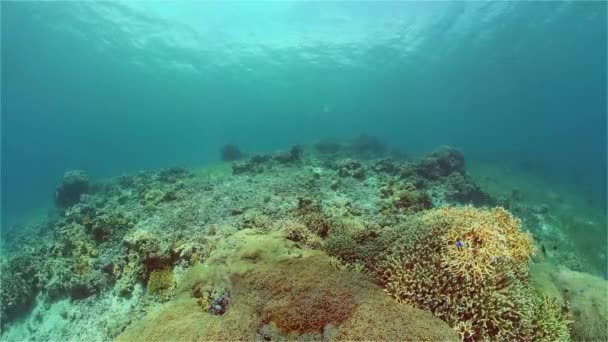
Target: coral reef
(293,155)
(212,300)
(327,146)
(350,168)
(230,152)
(469,267)
(153,197)
(440,163)
(366,146)
(74,184)
(404,198)
(21,280)
(253,165)
(277,289)
(160,283)
(285,246)
(584,293)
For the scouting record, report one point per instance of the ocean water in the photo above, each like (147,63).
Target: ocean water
(116,87)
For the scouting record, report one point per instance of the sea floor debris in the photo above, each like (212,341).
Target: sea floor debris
(290,245)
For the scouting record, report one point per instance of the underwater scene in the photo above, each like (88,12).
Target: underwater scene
(303,170)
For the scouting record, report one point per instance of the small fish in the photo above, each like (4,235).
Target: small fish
(459,244)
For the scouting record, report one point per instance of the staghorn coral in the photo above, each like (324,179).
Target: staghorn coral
(584,293)
(469,267)
(551,321)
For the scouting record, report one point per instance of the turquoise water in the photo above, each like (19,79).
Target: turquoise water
(117,87)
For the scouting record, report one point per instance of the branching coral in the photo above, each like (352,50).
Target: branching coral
(469,267)
(551,321)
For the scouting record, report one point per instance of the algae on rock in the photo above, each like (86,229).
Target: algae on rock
(279,290)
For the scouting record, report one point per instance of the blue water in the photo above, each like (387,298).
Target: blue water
(117,87)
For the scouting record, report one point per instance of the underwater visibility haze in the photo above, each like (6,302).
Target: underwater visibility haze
(304,170)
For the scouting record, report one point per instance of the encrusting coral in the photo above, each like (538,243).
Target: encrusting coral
(469,267)
(160,283)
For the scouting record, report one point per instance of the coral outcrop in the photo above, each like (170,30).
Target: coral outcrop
(160,283)
(20,277)
(279,291)
(469,267)
(293,245)
(404,198)
(350,168)
(230,152)
(440,163)
(74,184)
(586,294)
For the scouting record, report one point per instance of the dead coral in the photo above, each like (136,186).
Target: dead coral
(293,155)
(153,197)
(253,165)
(350,168)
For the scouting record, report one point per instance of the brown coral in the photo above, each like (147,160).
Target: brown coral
(160,283)
(294,293)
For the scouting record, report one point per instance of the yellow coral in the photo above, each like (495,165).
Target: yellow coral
(160,283)
(469,267)
(476,241)
(549,318)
